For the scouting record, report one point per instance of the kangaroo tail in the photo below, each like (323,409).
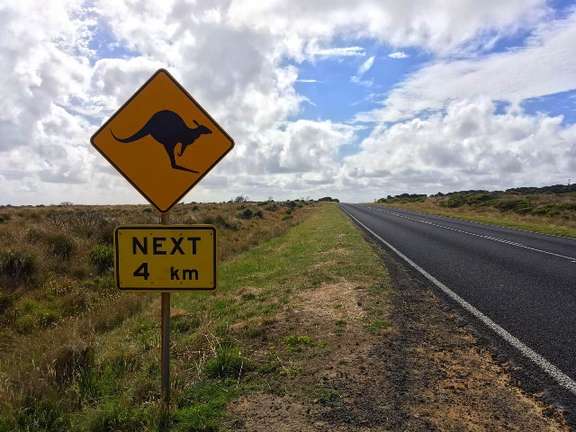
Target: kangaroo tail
(140,134)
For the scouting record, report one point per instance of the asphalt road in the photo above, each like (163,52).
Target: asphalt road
(524,282)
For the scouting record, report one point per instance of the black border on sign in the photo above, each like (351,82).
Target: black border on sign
(189,96)
(162,227)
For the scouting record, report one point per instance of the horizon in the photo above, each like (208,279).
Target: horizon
(247,199)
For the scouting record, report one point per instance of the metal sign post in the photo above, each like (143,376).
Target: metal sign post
(165,337)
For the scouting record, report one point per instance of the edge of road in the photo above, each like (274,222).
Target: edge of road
(559,377)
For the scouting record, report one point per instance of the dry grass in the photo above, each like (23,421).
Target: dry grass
(57,297)
(56,262)
(546,213)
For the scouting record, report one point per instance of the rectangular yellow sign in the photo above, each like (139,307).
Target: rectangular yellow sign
(165,257)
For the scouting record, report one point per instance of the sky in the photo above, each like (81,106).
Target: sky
(355,100)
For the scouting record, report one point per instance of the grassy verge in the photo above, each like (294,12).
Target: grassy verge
(110,380)
(491,216)
(56,262)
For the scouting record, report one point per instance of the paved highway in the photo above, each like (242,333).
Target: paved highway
(524,282)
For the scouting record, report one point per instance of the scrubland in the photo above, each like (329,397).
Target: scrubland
(312,328)
(549,210)
(58,299)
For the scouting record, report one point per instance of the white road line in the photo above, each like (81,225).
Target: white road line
(487,237)
(560,377)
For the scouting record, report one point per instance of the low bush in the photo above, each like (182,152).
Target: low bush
(246,214)
(105,235)
(46,414)
(201,406)
(221,221)
(72,363)
(17,266)
(34,235)
(227,363)
(271,207)
(515,205)
(453,201)
(102,258)
(61,246)
(32,314)
(115,416)
(123,308)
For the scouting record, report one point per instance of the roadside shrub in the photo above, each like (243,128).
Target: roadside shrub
(113,416)
(123,309)
(480,199)
(185,323)
(105,233)
(31,314)
(17,266)
(221,221)
(246,214)
(61,246)
(515,205)
(272,207)
(42,413)
(102,258)
(34,235)
(84,223)
(227,363)
(453,202)
(72,363)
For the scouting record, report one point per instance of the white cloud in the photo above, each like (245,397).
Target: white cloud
(366,66)
(546,65)
(362,69)
(353,51)
(468,146)
(398,55)
(435,25)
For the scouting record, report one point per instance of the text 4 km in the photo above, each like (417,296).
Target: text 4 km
(176,274)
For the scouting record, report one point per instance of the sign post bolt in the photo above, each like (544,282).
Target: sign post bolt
(165,338)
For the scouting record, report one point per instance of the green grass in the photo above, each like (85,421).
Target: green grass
(297,343)
(116,386)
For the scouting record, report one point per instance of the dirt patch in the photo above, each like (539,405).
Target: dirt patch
(333,301)
(421,371)
(274,413)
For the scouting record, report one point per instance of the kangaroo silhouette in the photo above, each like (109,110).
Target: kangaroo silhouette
(169,129)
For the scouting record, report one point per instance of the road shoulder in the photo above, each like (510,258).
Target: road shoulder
(376,350)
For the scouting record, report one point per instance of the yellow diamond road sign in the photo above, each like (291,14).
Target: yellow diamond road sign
(165,257)
(162,141)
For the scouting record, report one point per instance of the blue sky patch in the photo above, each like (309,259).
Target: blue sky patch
(556,104)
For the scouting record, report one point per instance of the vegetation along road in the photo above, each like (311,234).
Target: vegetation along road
(312,328)
(520,284)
